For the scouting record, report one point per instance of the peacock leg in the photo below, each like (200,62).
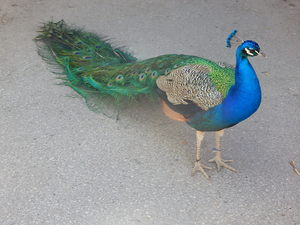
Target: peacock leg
(198,165)
(218,154)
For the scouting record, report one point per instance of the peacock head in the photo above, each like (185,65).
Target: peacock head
(245,48)
(250,48)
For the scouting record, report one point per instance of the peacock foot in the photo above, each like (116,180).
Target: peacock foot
(200,167)
(221,162)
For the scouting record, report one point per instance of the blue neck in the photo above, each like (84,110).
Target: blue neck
(244,96)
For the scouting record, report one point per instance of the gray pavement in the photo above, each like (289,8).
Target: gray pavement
(61,163)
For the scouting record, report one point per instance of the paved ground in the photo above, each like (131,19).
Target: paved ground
(61,163)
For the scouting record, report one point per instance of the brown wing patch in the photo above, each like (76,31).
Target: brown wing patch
(190,83)
(225,65)
(172,114)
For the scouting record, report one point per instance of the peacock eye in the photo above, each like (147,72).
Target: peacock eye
(167,71)
(148,70)
(142,76)
(154,74)
(119,77)
(251,52)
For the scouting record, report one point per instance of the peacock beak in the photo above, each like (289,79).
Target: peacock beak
(261,53)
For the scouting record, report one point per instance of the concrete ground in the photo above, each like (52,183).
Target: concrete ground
(61,163)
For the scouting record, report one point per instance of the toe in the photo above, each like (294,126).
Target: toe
(222,163)
(228,167)
(212,160)
(228,161)
(200,167)
(218,166)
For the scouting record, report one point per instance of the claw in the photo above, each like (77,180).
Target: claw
(221,162)
(200,167)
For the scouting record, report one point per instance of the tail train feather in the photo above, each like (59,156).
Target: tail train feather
(94,67)
(91,62)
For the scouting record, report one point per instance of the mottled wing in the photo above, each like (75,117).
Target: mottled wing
(225,65)
(190,83)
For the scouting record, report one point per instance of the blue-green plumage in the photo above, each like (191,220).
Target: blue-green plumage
(207,95)
(220,96)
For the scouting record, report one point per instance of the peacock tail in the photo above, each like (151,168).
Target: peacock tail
(91,64)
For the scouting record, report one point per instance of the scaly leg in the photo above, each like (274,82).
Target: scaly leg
(218,158)
(198,165)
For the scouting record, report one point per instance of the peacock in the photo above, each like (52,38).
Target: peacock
(208,96)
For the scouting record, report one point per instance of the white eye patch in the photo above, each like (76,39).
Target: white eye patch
(248,51)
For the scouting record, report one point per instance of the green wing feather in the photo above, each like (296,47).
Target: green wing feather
(92,64)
